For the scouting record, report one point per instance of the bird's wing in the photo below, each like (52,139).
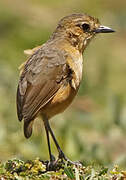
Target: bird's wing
(27,52)
(39,82)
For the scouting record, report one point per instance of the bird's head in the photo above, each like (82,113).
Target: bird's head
(79,29)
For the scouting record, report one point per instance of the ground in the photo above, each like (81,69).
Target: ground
(36,170)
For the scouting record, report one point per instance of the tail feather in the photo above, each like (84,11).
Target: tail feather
(19,105)
(28,128)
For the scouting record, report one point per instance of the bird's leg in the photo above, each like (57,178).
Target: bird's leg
(52,158)
(61,154)
(50,165)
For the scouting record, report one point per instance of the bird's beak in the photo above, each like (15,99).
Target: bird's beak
(103,29)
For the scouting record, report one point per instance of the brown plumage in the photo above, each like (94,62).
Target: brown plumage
(51,76)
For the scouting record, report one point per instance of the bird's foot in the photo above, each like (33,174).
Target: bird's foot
(56,164)
(63,157)
(53,164)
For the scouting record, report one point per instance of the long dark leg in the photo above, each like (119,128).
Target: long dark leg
(48,129)
(52,158)
(61,154)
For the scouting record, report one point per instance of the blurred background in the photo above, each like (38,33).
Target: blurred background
(93,128)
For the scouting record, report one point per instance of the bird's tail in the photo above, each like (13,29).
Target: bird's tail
(28,128)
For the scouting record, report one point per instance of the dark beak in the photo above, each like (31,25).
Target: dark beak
(104,29)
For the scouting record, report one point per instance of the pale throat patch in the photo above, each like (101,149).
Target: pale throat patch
(87,40)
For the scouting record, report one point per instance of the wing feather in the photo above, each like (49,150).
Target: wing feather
(39,82)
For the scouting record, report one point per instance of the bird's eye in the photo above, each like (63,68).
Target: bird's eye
(86,27)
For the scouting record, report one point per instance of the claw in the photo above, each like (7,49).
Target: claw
(62,156)
(54,165)
(51,166)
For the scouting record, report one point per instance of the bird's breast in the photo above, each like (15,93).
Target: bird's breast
(60,102)
(68,89)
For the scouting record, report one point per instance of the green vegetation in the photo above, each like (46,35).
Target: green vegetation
(35,170)
(93,129)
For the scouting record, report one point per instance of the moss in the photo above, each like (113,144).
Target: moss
(36,170)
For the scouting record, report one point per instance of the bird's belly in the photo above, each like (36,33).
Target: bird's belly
(60,102)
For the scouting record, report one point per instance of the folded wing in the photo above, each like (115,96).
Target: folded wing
(40,80)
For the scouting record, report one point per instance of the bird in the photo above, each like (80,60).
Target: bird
(51,76)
